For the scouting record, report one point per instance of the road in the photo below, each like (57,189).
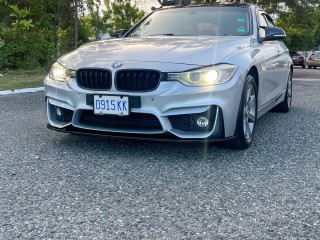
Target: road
(301,73)
(59,186)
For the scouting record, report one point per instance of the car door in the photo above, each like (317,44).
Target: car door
(273,63)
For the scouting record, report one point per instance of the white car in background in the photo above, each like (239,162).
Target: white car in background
(195,72)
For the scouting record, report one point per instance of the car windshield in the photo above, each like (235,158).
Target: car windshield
(195,21)
(296,54)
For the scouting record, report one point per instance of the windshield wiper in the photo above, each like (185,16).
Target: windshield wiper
(162,34)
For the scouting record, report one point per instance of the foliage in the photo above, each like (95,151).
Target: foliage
(300,30)
(118,15)
(20,15)
(33,33)
(121,15)
(20,48)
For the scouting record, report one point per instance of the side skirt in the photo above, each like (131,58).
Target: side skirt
(274,102)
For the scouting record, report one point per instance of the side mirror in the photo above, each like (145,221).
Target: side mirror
(273,34)
(119,33)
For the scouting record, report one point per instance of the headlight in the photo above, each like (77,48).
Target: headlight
(212,75)
(60,73)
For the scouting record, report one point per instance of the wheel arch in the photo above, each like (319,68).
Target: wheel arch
(254,73)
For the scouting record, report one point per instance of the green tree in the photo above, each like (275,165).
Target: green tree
(300,30)
(35,32)
(317,28)
(21,46)
(120,15)
(97,23)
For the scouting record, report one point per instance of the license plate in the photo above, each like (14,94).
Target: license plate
(114,105)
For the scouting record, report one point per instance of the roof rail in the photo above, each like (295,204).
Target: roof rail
(187,2)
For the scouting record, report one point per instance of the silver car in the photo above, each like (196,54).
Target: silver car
(198,73)
(314,60)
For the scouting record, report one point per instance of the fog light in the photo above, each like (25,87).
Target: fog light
(203,122)
(58,112)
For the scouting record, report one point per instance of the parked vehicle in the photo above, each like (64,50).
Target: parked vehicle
(197,72)
(299,59)
(314,60)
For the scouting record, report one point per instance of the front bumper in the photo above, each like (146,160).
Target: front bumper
(298,62)
(169,112)
(165,137)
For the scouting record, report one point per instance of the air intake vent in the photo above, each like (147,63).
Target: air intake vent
(137,80)
(94,79)
(135,121)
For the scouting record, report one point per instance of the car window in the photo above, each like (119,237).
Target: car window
(262,20)
(265,20)
(296,54)
(269,20)
(317,54)
(210,21)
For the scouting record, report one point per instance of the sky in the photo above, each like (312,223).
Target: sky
(148,4)
(145,5)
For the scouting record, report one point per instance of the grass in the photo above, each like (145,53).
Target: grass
(18,79)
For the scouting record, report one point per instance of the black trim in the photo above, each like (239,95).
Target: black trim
(188,122)
(136,80)
(164,137)
(94,79)
(134,121)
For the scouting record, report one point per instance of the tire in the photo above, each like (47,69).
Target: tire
(314,67)
(309,67)
(247,116)
(285,105)
(304,65)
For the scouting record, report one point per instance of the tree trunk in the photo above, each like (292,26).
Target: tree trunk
(75,24)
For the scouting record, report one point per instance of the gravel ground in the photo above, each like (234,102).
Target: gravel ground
(60,186)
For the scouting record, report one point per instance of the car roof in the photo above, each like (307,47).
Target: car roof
(203,5)
(207,4)
(295,53)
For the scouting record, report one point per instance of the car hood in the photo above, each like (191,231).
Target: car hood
(200,51)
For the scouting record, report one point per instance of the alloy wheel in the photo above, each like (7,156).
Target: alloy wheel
(249,112)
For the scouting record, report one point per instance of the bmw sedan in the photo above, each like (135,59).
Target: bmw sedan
(194,72)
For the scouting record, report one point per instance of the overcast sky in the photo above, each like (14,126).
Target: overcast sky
(145,6)
(148,4)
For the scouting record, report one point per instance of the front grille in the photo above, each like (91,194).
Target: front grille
(137,80)
(135,121)
(94,79)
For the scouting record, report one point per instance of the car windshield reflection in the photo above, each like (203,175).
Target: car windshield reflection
(198,21)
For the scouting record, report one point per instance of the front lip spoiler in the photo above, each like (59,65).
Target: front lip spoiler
(167,137)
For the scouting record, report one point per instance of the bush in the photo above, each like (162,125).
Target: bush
(23,49)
